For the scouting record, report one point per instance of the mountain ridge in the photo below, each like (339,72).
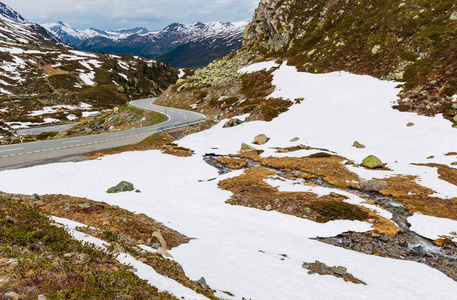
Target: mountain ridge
(202,42)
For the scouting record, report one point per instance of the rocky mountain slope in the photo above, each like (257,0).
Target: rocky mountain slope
(42,81)
(417,49)
(180,45)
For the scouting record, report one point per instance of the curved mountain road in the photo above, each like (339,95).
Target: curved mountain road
(21,155)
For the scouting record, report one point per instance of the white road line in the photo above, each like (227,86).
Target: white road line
(11,149)
(71,142)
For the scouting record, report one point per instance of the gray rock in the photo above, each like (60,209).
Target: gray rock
(106,214)
(372,185)
(453,16)
(42,297)
(246,148)
(122,186)
(454,106)
(82,128)
(384,238)
(11,294)
(180,268)
(340,270)
(202,283)
(155,246)
(261,139)
(232,123)
(137,191)
(294,139)
(6,196)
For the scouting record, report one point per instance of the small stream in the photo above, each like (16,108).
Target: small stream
(406,245)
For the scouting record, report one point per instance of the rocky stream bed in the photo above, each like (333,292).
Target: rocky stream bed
(406,245)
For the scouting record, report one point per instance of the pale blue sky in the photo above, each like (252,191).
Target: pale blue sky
(116,14)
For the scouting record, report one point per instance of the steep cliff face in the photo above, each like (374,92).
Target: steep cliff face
(270,28)
(409,41)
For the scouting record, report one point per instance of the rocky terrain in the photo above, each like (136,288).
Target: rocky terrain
(327,169)
(325,36)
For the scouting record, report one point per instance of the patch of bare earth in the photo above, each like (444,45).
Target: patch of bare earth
(250,189)
(124,230)
(417,198)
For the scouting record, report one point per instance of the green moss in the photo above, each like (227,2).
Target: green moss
(336,210)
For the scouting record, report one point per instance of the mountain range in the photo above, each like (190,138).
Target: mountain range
(180,45)
(38,70)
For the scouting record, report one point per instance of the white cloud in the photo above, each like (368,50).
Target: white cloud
(114,14)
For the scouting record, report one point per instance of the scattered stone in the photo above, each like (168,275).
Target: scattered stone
(180,268)
(85,205)
(281,150)
(294,139)
(372,162)
(82,128)
(384,238)
(454,106)
(106,214)
(375,49)
(162,241)
(261,139)
(268,207)
(372,185)
(453,16)
(340,270)
(454,163)
(455,119)
(232,123)
(137,191)
(11,294)
(162,251)
(6,196)
(202,283)
(42,297)
(216,117)
(358,145)
(12,262)
(246,148)
(122,186)
(431,157)
(410,124)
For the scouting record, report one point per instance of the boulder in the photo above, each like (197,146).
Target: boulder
(35,197)
(294,139)
(122,186)
(453,16)
(340,270)
(261,139)
(372,162)
(410,124)
(358,145)
(372,185)
(246,148)
(232,123)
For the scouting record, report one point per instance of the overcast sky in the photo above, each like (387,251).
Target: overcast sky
(117,14)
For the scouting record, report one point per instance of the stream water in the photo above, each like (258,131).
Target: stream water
(406,245)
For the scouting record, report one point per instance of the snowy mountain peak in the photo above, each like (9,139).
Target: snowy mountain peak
(7,12)
(74,36)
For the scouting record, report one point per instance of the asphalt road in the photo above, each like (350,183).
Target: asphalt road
(21,155)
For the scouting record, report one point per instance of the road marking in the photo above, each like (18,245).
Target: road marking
(71,142)
(11,149)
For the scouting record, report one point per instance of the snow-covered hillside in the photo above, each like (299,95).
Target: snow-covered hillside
(258,254)
(14,28)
